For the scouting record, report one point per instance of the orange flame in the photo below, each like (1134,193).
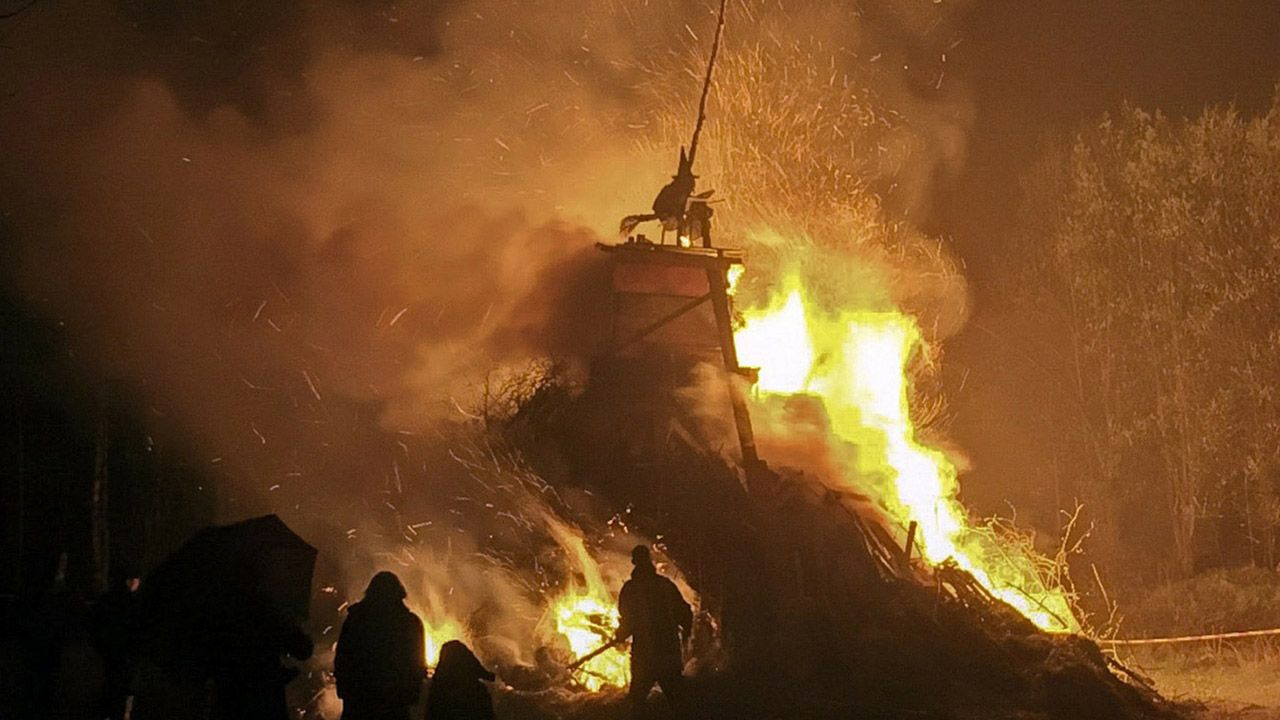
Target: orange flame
(856,363)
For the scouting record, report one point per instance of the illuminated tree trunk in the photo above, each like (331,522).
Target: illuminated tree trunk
(1177,435)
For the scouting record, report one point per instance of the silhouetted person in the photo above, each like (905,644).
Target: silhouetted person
(114,623)
(653,613)
(247,642)
(380,662)
(670,204)
(457,691)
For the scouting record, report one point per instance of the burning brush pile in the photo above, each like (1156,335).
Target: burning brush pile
(514,566)
(844,576)
(841,576)
(841,579)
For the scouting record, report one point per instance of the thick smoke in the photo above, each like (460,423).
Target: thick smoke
(308,236)
(313,205)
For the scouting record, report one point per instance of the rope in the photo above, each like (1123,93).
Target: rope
(1193,638)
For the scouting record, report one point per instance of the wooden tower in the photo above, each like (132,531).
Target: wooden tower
(670,311)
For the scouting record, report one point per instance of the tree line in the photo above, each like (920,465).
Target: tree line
(1150,246)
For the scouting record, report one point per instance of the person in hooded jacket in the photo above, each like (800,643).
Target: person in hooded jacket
(380,662)
(457,689)
(655,616)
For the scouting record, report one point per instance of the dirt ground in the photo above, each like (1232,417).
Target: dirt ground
(1236,682)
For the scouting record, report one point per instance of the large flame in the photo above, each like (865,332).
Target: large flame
(856,363)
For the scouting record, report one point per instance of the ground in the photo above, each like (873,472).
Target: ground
(1239,681)
(1235,679)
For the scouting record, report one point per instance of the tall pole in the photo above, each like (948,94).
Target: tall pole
(719,285)
(706,86)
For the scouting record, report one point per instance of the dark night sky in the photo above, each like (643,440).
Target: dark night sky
(1041,69)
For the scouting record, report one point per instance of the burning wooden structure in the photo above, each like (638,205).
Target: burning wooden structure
(822,608)
(819,609)
(671,311)
(671,306)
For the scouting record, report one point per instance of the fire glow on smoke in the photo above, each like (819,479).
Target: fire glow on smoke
(581,619)
(856,364)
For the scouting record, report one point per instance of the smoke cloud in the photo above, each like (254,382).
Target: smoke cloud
(308,236)
(280,211)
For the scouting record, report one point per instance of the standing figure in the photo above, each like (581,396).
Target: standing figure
(114,624)
(457,688)
(381,660)
(654,615)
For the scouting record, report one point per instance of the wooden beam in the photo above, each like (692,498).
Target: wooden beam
(665,319)
(741,417)
(701,258)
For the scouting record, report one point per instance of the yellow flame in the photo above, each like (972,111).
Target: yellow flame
(438,626)
(733,275)
(587,617)
(856,363)
(437,634)
(777,342)
(586,622)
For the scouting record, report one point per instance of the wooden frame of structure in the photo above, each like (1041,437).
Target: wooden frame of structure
(686,295)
